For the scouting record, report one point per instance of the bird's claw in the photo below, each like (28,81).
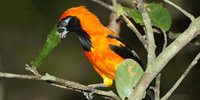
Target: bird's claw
(88,95)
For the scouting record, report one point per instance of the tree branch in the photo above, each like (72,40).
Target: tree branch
(105,5)
(165,56)
(10,75)
(157,87)
(150,36)
(155,65)
(165,39)
(2,87)
(193,63)
(61,83)
(138,92)
(134,29)
(182,10)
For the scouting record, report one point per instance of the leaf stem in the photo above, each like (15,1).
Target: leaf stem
(182,10)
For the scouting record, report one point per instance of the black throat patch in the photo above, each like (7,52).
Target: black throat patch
(73,25)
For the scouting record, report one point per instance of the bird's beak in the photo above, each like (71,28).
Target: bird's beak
(62,31)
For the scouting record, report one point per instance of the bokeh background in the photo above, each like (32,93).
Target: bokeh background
(25,24)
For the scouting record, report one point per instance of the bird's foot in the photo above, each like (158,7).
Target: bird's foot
(89,95)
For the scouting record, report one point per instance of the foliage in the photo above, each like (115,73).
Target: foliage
(127,75)
(159,16)
(52,41)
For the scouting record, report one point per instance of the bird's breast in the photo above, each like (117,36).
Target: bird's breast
(104,59)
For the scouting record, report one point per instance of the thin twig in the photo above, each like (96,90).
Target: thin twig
(105,5)
(193,63)
(165,39)
(182,10)
(157,87)
(58,82)
(134,29)
(10,75)
(2,86)
(115,4)
(114,23)
(32,69)
(61,83)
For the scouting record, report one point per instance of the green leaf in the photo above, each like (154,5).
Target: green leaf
(127,75)
(52,41)
(136,16)
(173,35)
(160,16)
(121,10)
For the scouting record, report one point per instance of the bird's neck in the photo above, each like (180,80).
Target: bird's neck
(84,40)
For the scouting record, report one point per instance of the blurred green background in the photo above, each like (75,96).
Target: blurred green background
(25,24)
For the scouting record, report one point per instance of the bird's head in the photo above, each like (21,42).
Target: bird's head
(68,24)
(76,19)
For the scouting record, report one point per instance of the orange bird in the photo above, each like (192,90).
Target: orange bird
(104,49)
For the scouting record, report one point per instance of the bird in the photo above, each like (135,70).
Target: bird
(104,48)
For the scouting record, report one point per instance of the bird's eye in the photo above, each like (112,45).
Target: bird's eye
(63,23)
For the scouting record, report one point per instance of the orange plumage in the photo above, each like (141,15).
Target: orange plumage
(103,46)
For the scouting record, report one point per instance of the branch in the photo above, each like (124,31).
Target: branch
(2,86)
(150,36)
(166,55)
(157,87)
(61,83)
(138,92)
(193,63)
(105,5)
(10,75)
(165,39)
(134,29)
(182,10)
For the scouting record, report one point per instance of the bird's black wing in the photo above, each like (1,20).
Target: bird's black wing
(124,51)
